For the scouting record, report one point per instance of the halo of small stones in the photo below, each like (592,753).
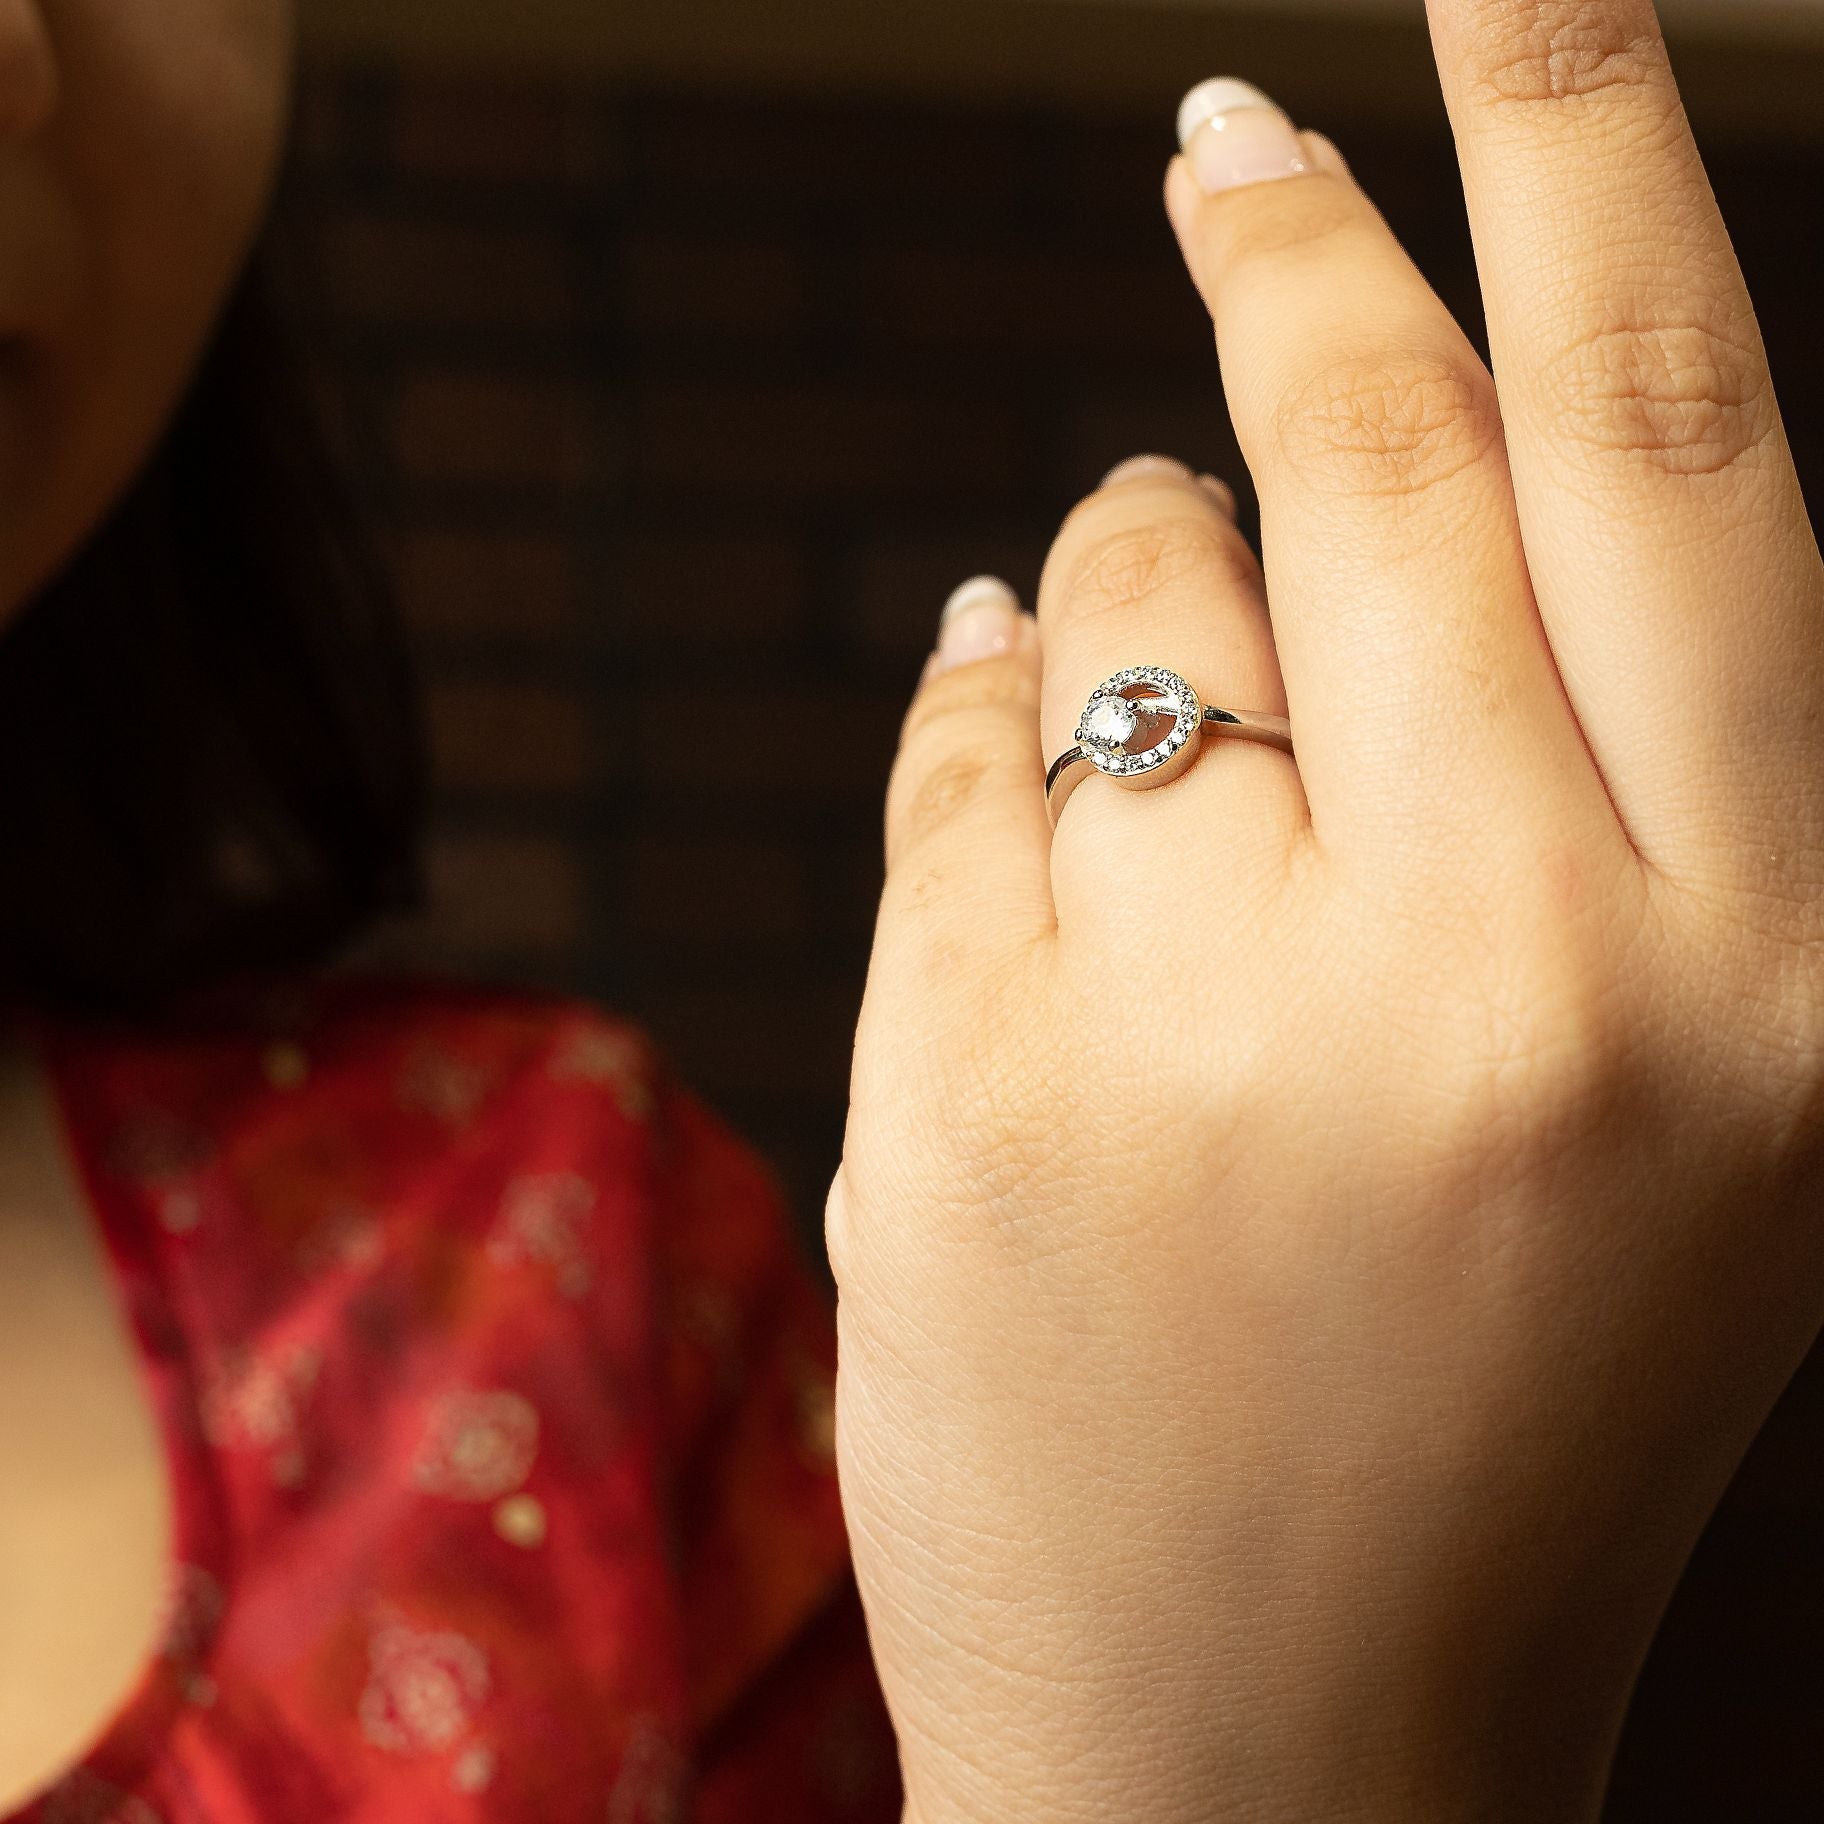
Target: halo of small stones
(1187,717)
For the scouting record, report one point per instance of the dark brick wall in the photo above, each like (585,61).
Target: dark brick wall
(652,388)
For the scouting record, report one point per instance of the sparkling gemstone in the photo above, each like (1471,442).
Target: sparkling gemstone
(1111,721)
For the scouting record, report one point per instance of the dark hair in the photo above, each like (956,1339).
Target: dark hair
(210,758)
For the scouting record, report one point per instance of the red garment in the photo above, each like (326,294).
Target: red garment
(497,1404)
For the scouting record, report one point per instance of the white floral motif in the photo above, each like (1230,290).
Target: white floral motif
(254,1402)
(612,1056)
(541,1222)
(650,1786)
(437,1082)
(423,1689)
(179,1211)
(474,1769)
(477,1446)
(172,1161)
(348,1236)
(521,1520)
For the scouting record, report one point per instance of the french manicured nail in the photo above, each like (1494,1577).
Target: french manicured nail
(1234,135)
(980,621)
(1166,468)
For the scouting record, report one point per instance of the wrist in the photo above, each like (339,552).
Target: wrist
(1476,1690)
(1374,1797)
(1532,1760)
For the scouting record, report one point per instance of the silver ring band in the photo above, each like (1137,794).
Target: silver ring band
(1121,734)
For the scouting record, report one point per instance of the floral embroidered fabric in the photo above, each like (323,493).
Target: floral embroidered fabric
(496,1399)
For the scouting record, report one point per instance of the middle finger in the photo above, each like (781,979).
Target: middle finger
(1424,697)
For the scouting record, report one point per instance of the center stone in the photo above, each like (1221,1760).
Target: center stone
(1111,722)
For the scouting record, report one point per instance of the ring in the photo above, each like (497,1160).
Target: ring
(1142,728)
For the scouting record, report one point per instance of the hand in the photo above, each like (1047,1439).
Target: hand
(1315,1239)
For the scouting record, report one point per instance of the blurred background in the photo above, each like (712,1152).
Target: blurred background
(720,339)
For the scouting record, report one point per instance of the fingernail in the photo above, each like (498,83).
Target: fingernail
(1220,95)
(1135,467)
(980,621)
(1233,135)
(1219,491)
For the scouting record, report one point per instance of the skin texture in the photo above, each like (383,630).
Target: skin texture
(138,144)
(1315,1240)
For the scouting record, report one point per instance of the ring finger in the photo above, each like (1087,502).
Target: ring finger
(1150,570)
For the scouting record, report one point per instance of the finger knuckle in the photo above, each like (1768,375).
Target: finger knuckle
(1113,572)
(1684,398)
(949,762)
(1559,1066)
(1543,1019)
(937,794)
(1551,52)
(1387,426)
(1261,225)
(999,683)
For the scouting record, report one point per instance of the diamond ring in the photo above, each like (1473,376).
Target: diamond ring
(1142,728)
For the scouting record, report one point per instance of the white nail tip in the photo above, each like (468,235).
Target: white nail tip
(1220,95)
(1136,466)
(974,593)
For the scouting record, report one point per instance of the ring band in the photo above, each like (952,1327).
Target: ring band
(1122,733)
